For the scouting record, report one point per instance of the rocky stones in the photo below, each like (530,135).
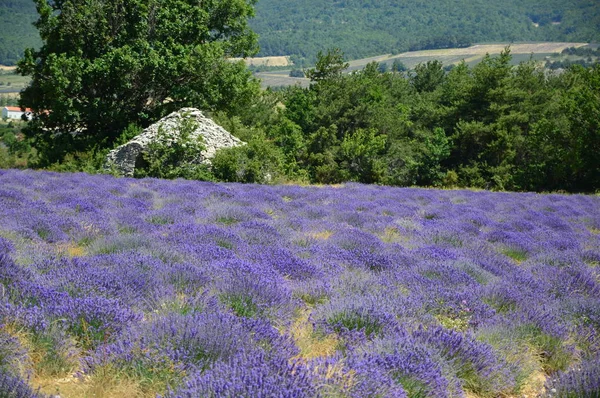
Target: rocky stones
(125,158)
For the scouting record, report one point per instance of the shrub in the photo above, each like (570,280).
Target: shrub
(168,157)
(258,162)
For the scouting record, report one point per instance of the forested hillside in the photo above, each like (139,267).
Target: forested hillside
(16,29)
(369,27)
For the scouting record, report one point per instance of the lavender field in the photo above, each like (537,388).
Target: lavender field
(138,288)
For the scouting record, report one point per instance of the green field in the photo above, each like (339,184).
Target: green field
(11,82)
(14,83)
(472,55)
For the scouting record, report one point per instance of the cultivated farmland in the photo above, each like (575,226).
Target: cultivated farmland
(266,61)
(471,55)
(123,287)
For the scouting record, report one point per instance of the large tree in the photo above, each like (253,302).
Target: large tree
(105,64)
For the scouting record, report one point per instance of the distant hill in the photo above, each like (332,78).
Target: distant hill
(16,29)
(363,28)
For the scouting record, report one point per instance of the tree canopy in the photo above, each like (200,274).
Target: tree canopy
(363,28)
(105,64)
(492,125)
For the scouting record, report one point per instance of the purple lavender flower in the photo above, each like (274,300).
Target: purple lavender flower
(201,285)
(14,387)
(251,374)
(581,381)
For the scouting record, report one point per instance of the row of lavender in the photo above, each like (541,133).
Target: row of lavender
(200,289)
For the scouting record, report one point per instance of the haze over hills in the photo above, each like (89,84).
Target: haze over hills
(364,28)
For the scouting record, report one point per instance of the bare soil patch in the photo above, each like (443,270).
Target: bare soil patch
(482,49)
(267,61)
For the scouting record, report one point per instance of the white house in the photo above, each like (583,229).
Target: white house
(14,112)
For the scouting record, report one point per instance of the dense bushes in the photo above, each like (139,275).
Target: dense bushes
(490,126)
(169,157)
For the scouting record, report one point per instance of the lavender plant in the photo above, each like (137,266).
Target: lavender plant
(195,288)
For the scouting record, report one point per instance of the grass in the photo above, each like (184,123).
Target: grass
(179,306)
(71,250)
(52,359)
(10,81)
(554,356)
(105,382)
(133,379)
(500,304)
(227,220)
(460,323)
(88,334)
(344,381)
(414,388)
(391,235)
(312,343)
(517,255)
(117,244)
(241,305)
(530,378)
(480,275)
(224,244)
(160,220)
(351,320)
(323,235)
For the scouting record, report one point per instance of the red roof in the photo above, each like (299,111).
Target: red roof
(17,109)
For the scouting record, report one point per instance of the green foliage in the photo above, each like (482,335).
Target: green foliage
(490,126)
(174,155)
(12,138)
(414,388)
(260,161)
(436,149)
(55,354)
(516,254)
(441,42)
(553,354)
(373,27)
(6,100)
(91,162)
(105,65)
(398,66)
(360,156)
(427,77)
(351,320)
(241,305)
(508,343)
(329,66)
(15,150)
(366,28)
